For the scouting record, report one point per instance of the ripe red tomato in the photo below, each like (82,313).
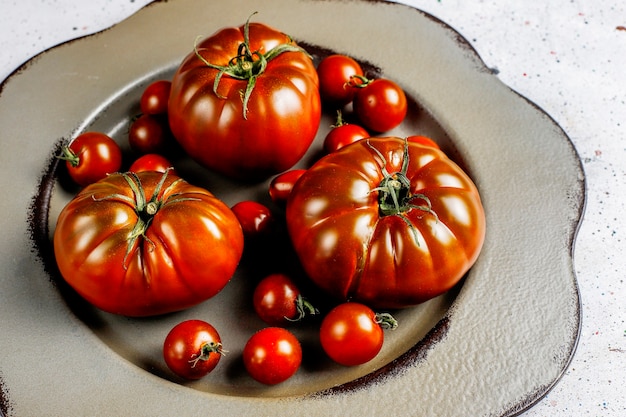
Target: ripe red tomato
(136,244)
(343,134)
(155,97)
(282,184)
(254,217)
(352,333)
(149,134)
(424,140)
(152,162)
(91,156)
(386,222)
(278,301)
(335,72)
(380,104)
(268,129)
(192,349)
(272,355)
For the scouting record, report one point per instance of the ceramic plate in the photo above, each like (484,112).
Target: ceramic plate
(493,346)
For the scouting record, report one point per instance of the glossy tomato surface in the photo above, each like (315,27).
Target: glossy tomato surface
(356,243)
(91,157)
(350,334)
(138,244)
(272,355)
(249,138)
(192,349)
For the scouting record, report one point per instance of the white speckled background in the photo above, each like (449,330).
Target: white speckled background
(568,57)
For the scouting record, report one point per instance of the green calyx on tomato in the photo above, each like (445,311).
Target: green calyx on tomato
(145,209)
(386,321)
(247,65)
(206,350)
(394,192)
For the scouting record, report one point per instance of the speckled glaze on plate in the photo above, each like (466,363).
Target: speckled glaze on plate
(491,347)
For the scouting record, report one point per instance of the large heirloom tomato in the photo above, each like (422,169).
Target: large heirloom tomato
(387,222)
(246,102)
(147,243)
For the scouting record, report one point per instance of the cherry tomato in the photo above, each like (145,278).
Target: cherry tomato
(379,104)
(255,218)
(149,134)
(423,140)
(352,334)
(281,185)
(155,97)
(152,162)
(343,134)
(278,301)
(91,156)
(192,349)
(335,72)
(272,355)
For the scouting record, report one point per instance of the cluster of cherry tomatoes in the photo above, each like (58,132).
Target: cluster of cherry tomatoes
(351,333)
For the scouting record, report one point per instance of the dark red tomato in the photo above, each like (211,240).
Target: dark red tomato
(192,349)
(282,184)
(152,162)
(155,97)
(335,72)
(149,134)
(424,140)
(91,156)
(343,134)
(260,132)
(136,244)
(386,222)
(380,104)
(272,355)
(352,333)
(254,217)
(278,301)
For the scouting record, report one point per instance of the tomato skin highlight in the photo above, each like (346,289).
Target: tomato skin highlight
(154,98)
(192,349)
(91,156)
(350,334)
(281,185)
(277,300)
(149,134)
(166,269)
(254,217)
(343,135)
(353,251)
(267,136)
(272,355)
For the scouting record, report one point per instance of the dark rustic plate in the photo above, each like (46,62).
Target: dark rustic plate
(493,346)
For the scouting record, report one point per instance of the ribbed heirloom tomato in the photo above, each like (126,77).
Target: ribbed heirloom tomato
(147,243)
(386,221)
(246,102)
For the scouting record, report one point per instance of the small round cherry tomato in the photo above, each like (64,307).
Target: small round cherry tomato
(423,140)
(281,185)
(155,97)
(272,355)
(254,217)
(379,104)
(351,333)
(149,134)
(152,162)
(278,301)
(343,134)
(91,156)
(192,349)
(334,73)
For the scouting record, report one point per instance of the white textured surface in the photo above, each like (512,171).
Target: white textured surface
(568,57)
